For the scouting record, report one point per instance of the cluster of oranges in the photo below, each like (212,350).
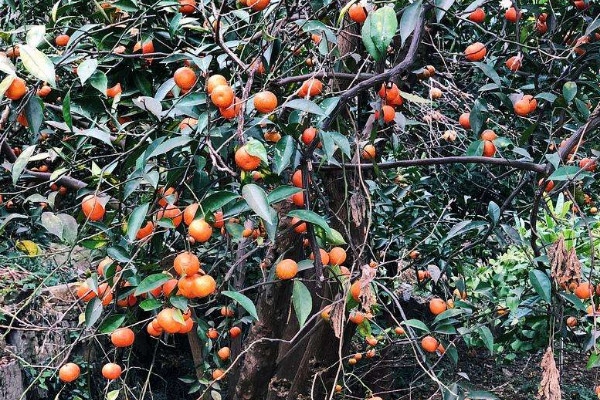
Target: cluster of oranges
(391,97)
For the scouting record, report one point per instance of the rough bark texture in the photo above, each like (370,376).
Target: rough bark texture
(11,385)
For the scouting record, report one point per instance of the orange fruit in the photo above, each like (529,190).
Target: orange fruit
(222,96)
(186,263)
(69,372)
(357,13)
(114,91)
(311,87)
(388,113)
(44,91)
(84,292)
(272,136)
(187,326)
(214,81)
(245,160)
(324,256)
(166,320)
(522,107)
(514,63)
(170,212)
(227,312)
(233,110)
(235,332)
(488,134)
(219,222)
(190,213)
(200,230)
(217,374)
(584,290)
(168,286)
(265,102)
(13,52)
(122,337)
(478,15)
(301,227)
(399,330)
(111,371)
(62,40)
(357,317)
(309,135)
(587,164)
(185,78)
(297,179)
(512,15)
(371,341)
(105,262)
(463,120)
(168,196)
(224,353)
(437,306)
(152,330)
(488,149)
(286,269)
(16,90)
(258,5)
(429,344)
(475,51)
(146,47)
(298,199)
(368,152)
(186,286)
(355,290)
(204,286)
(92,208)
(145,231)
(187,6)
(571,322)
(337,256)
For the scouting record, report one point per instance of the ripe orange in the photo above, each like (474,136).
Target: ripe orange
(168,287)
(311,87)
(478,15)
(514,63)
(152,330)
(298,199)
(44,91)
(170,212)
(214,81)
(584,290)
(187,6)
(122,337)
(22,119)
(355,290)
(463,120)
(217,374)
(69,372)
(187,326)
(571,322)
(204,286)
(245,160)
(388,113)
(185,78)
(396,101)
(200,230)
(146,47)
(114,91)
(227,312)
(437,306)
(233,110)
(488,149)
(352,361)
(337,256)
(368,152)
(522,107)
(489,134)
(357,317)
(371,341)
(235,332)
(301,227)
(186,286)
(435,93)
(309,135)
(224,353)
(62,40)
(218,219)
(357,13)
(265,102)
(212,333)
(222,96)
(286,269)
(145,231)
(324,256)
(297,179)
(167,321)
(512,15)
(105,262)
(475,51)
(16,90)
(92,208)
(587,164)
(186,263)
(429,344)
(111,371)
(399,330)
(190,213)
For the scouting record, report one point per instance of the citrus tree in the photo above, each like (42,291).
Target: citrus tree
(295,196)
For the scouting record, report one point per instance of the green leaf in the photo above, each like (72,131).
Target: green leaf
(567,173)
(111,323)
(21,163)
(242,301)
(150,304)
(150,283)
(342,142)
(136,219)
(257,200)
(86,69)
(93,311)
(169,145)
(477,117)
(541,283)
(215,201)
(179,302)
(487,337)
(489,71)
(257,149)
(569,91)
(494,211)
(415,323)
(310,216)
(281,193)
(304,105)
(475,148)
(413,98)
(409,20)
(35,35)
(378,31)
(441,6)
(38,64)
(284,150)
(99,81)
(113,394)
(333,237)
(96,133)
(34,112)
(302,301)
